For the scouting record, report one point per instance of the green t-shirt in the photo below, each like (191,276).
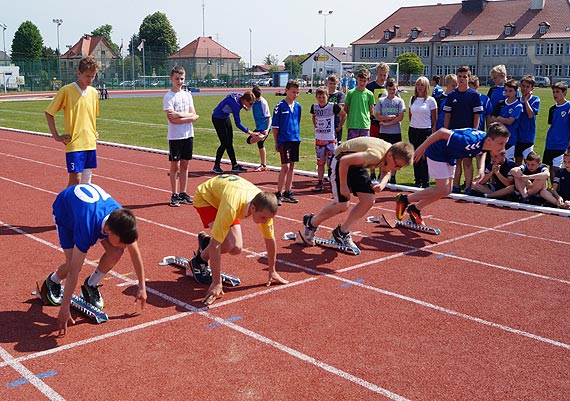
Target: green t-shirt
(359,103)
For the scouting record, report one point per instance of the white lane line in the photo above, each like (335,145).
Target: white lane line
(27,374)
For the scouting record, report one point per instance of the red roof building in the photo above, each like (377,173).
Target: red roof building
(96,46)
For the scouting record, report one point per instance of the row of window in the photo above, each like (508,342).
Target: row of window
(517,70)
(494,50)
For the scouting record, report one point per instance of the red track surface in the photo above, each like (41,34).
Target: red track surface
(479,312)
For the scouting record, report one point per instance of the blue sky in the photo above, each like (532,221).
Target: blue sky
(279,28)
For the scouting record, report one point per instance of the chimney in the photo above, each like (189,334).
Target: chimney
(536,4)
(473,6)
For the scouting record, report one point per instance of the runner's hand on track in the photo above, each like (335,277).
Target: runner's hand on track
(63,319)
(214,292)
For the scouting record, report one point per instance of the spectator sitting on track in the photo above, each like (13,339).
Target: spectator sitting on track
(441,150)
(350,175)
(85,214)
(221,202)
(80,106)
(561,184)
(531,180)
(497,183)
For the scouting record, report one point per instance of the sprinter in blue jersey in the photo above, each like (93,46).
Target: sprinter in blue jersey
(85,214)
(441,149)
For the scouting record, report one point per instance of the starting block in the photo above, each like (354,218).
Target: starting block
(77,303)
(407,224)
(183,263)
(324,243)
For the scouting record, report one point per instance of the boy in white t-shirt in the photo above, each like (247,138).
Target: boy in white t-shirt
(179,108)
(325,135)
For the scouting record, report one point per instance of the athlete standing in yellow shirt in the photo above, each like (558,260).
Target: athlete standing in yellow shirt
(221,202)
(80,105)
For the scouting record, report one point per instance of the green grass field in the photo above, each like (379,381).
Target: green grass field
(141,122)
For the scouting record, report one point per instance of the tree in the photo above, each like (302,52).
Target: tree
(160,39)
(410,63)
(105,31)
(28,43)
(270,59)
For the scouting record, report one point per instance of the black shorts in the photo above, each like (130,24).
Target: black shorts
(180,149)
(289,152)
(357,178)
(391,138)
(520,147)
(553,158)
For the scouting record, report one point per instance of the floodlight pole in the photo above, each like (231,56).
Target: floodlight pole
(4,26)
(325,15)
(59,22)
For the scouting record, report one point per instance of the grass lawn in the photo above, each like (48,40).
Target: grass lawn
(141,122)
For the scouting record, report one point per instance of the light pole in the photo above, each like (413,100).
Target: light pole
(143,63)
(291,60)
(250,65)
(58,21)
(325,15)
(4,26)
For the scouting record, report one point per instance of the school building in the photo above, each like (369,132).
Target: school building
(527,36)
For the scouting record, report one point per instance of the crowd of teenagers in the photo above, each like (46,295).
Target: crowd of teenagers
(448,128)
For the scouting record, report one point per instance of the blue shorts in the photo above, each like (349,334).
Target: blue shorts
(79,161)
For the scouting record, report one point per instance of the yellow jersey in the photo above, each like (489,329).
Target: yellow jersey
(231,196)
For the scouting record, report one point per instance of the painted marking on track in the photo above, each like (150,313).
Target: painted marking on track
(444,255)
(360,280)
(39,376)
(514,234)
(229,319)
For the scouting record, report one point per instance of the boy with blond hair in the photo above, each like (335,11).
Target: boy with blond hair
(80,104)
(498,75)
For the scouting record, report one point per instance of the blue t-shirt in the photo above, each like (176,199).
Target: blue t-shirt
(462,106)
(527,126)
(487,110)
(496,94)
(462,144)
(81,211)
(441,100)
(562,178)
(505,171)
(288,120)
(558,134)
(437,91)
(512,110)
(261,113)
(230,105)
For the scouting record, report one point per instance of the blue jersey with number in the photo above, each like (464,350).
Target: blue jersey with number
(81,212)
(558,134)
(462,144)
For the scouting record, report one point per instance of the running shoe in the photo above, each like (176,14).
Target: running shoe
(279,198)
(203,241)
(238,169)
(319,187)
(217,170)
(401,205)
(174,201)
(92,294)
(343,238)
(261,167)
(54,294)
(288,197)
(308,233)
(185,198)
(201,272)
(415,215)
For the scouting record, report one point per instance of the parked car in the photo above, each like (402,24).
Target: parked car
(301,82)
(265,82)
(542,82)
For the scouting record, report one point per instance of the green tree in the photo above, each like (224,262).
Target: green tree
(28,43)
(270,59)
(160,40)
(410,64)
(105,31)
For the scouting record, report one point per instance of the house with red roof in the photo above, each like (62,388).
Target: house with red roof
(527,36)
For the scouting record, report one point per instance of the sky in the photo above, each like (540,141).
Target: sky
(279,28)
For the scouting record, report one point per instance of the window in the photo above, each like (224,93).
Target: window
(514,49)
(524,50)
(439,70)
(414,34)
(362,52)
(455,51)
(426,71)
(543,27)
(567,48)
(384,52)
(549,49)
(567,70)
(396,52)
(464,50)
(473,51)
(558,70)
(439,51)
(487,50)
(538,71)
(442,33)
(495,50)
(387,35)
(447,51)
(559,49)
(426,51)
(539,49)
(505,50)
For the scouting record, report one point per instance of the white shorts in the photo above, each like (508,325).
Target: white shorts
(440,170)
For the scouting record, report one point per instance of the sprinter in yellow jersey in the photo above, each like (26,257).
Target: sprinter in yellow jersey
(221,202)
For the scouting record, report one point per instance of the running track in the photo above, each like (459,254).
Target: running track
(479,312)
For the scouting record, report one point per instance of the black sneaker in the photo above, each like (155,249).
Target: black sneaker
(279,198)
(201,272)
(183,197)
(344,239)
(92,294)
(238,169)
(288,197)
(174,201)
(54,294)
(217,170)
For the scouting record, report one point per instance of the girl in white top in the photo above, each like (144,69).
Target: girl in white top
(423,117)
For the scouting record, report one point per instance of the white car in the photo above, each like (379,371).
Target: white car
(301,82)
